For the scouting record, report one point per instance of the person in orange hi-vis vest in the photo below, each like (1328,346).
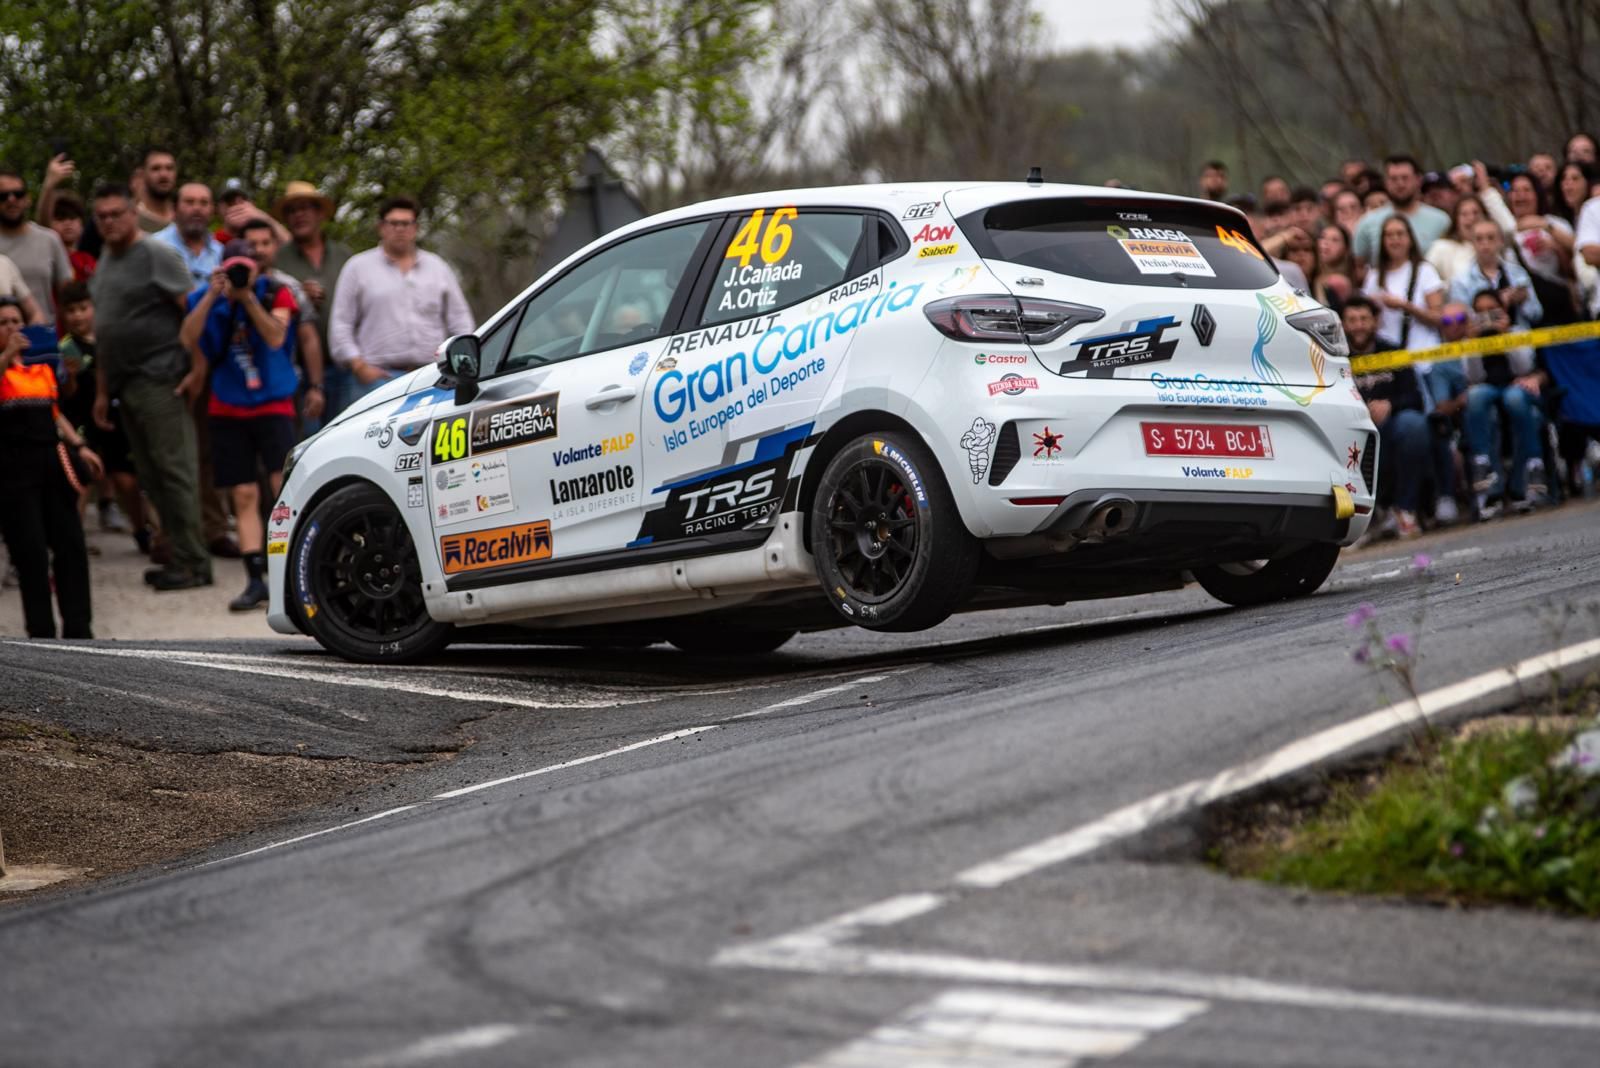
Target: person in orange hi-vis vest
(43,465)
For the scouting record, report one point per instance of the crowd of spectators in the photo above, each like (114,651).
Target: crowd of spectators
(1415,259)
(163,345)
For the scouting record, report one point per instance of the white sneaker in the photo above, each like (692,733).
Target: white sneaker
(1537,486)
(1445,512)
(112,520)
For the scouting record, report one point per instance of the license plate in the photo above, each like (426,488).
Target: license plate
(1206,439)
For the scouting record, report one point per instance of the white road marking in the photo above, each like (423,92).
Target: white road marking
(339,678)
(646,743)
(823,947)
(984,1029)
(314,834)
(1182,800)
(817,695)
(438,1047)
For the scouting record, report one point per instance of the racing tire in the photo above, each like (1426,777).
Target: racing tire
(1300,574)
(891,550)
(355,583)
(727,641)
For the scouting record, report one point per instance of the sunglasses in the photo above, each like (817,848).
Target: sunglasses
(12,194)
(1452,320)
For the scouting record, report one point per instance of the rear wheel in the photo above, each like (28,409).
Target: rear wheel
(891,549)
(356,584)
(1299,574)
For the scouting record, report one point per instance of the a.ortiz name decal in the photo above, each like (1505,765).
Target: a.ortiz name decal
(475,550)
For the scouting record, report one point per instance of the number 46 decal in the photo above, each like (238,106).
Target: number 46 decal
(449,439)
(774,244)
(1235,240)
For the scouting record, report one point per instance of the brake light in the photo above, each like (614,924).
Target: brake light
(1325,329)
(1007,318)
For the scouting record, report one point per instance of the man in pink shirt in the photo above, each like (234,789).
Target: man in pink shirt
(394,304)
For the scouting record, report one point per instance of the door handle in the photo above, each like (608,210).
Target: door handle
(610,395)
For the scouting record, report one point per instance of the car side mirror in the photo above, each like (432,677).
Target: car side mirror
(461,362)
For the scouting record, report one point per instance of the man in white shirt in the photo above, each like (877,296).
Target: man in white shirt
(1588,241)
(394,304)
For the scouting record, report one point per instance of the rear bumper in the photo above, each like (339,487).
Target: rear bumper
(1181,528)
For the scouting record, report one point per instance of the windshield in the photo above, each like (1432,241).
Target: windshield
(1126,242)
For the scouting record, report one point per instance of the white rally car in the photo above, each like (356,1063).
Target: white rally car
(873,405)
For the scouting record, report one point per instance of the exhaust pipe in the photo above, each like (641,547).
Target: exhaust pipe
(1111,517)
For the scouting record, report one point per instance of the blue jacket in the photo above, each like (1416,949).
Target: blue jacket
(234,349)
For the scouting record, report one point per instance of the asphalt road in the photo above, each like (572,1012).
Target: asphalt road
(662,879)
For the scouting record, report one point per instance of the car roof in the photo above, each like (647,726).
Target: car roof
(893,197)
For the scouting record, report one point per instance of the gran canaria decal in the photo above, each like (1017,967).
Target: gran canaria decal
(1272,308)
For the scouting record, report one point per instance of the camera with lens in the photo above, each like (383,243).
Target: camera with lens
(238,275)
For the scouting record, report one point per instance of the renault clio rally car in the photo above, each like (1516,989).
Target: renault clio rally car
(873,405)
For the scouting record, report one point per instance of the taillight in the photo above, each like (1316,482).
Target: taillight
(1325,329)
(1007,318)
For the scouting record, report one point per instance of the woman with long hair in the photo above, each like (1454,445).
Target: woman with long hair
(1406,286)
(1453,252)
(1573,184)
(1337,270)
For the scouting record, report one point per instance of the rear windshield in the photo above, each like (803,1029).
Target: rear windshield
(1128,242)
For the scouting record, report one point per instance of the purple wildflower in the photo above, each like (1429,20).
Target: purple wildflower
(1365,612)
(1399,644)
(1538,832)
(1361,654)
(1582,757)
(1457,849)
(1421,562)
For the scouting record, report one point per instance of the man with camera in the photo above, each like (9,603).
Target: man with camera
(240,322)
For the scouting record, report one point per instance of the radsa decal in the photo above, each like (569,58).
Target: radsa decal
(778,360)
(475,550)
(471,489)
(1157,250)
(500,426)
(1143,343)
(913,480)
(755,262)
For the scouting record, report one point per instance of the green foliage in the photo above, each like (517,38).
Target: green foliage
(1422,831)
(472,105)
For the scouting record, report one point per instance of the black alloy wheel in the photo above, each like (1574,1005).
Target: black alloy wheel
(891,550)
(356,582)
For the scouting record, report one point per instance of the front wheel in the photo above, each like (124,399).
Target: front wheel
(891,550)
(356,584)
(1299,574)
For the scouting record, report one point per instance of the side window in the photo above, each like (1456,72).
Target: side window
(616,297)
(777,257)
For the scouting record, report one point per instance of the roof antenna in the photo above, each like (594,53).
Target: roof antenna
(1036,176)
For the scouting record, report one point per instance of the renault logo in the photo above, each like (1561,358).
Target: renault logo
(1205,327)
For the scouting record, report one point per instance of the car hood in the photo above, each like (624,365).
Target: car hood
(421,378)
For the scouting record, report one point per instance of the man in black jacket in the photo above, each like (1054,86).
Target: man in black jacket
(1394,400)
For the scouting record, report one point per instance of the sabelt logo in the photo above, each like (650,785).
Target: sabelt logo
(937,250)
(989,358)
(931,232)
(515,423)
(499,547)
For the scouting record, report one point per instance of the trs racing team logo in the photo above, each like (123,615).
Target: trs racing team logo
(478,549)
(1100,356)
(1266,329)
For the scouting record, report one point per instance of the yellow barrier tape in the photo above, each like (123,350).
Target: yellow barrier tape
(1477,346)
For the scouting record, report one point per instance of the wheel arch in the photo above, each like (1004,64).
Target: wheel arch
(322,492)
(837,437)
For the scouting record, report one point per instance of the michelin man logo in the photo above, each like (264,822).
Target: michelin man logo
(977,441)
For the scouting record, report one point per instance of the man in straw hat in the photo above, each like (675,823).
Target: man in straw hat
(315,260)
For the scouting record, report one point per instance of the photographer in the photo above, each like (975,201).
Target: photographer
(240,322)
